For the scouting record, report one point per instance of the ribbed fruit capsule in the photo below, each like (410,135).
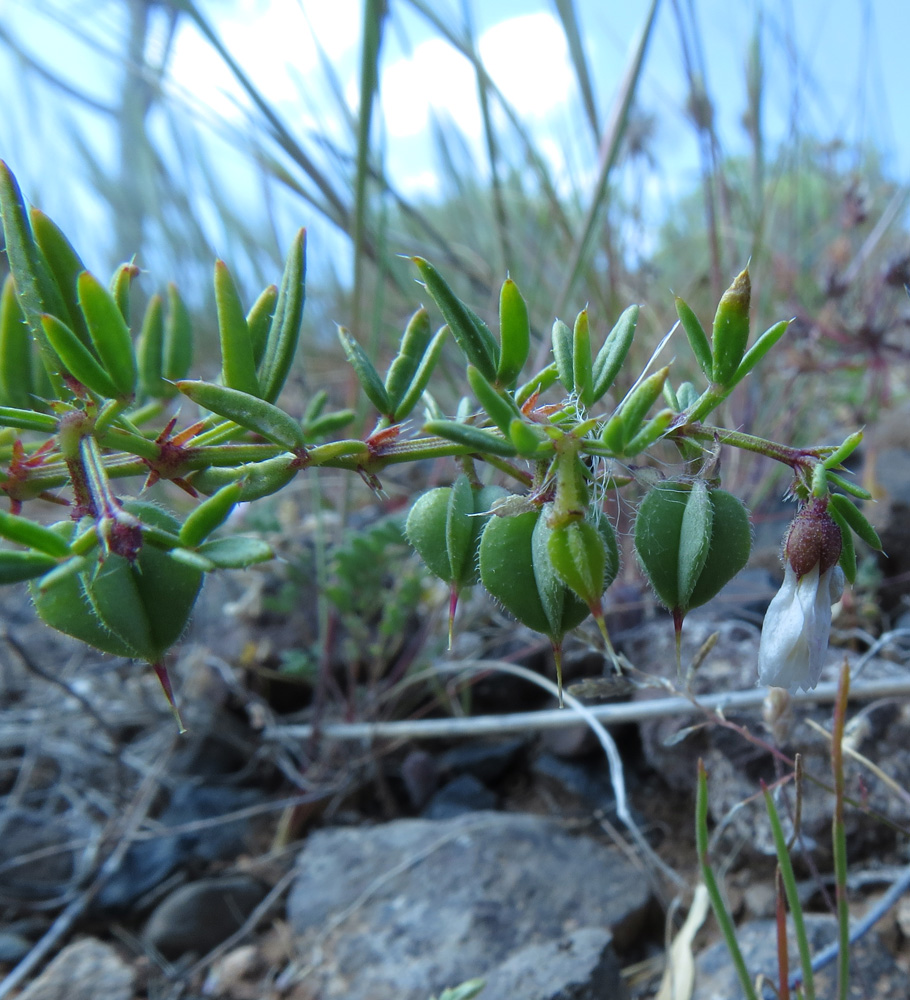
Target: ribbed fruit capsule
(444,526)
(517,568)
(691,541)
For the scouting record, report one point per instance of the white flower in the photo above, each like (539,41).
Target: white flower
(797,624)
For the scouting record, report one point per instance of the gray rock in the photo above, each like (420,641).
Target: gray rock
(874,973)
(148,862)
(197,917)
(464,794)
(580,966)
(84,970)
(13,947)
(411,907)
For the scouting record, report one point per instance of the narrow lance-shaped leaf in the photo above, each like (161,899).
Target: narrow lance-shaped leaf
(178,337)
(17,566)
(636,405)
(759,349)
(498,406)
(35,285)
(65,266)
(475,438)
(422,376)
(109,333)
(613,353)
(249,411)
(77,360)
(857,521)
(15,350)
(514,334)
(582,366)
(698,339)
(209,515)
(121,281)
(284,330)
(236,551)
(238,370)
(414,342)
(24,531)
(847,558)
(731,329)
(561,338)
(468,335)
(150,349)
(259,318)
(366,373)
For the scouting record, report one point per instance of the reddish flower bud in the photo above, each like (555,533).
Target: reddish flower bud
(814,539)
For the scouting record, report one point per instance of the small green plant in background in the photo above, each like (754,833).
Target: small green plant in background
(90,414)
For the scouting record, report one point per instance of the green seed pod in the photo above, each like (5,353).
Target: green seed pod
(445,525)
(137,609)
(585,558)
(691,542)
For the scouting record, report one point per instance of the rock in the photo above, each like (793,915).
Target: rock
(50,866)
(84,970)
(13,947)
(580,966)
(148,862)
(409,908)
(463,794)
(586,781)
(197,917)
(874,973)
(486,761)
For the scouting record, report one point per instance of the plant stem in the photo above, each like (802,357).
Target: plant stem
(839,833)
(707,873)
(789,881)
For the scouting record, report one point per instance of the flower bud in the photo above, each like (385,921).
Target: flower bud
(813,539)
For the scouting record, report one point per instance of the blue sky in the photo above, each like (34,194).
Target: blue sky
(835,68)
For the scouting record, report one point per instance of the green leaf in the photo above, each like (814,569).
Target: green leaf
(514,334)
(178,337)
(150,351)
(236,552)
(16,566)
(366,373)
(15,350)
(238,369)
(246,410)
(634,407)
(475,438)
(847,558)
(77,359)
(759,349)
(582,366)
(284,330)
(731,329)
(65,266)
(857,521)
(498,405)
(613,353)
(461,321)
(422,376)
(259,318)
(121,281)
(209,515)
(562,341)
(698,339)
(35,536)
(414,343)
(109,332)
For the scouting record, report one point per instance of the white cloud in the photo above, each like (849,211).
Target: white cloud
(266,38)
(435,76)
(527,58)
